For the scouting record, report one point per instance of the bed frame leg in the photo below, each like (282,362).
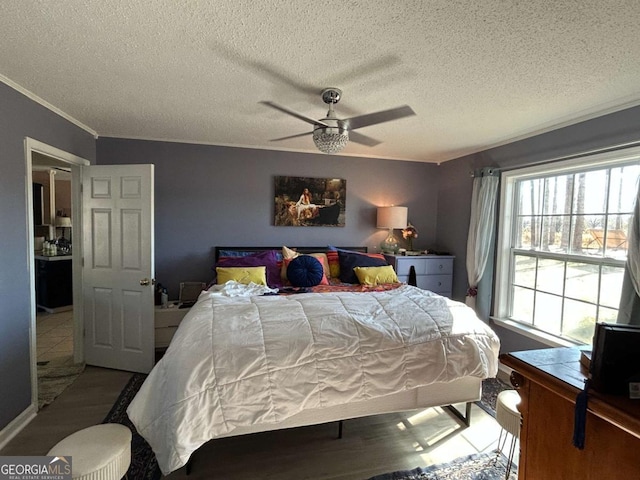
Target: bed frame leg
(340,423)
(188,466)
(466,418)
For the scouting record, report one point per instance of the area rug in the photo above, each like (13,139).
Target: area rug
(144,464)
(474,467)
(491,387)
(53,380)
(143,461)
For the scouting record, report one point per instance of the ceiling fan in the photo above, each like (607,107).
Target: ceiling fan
(331,134)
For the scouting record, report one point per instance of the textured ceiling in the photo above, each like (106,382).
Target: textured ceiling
(477,73)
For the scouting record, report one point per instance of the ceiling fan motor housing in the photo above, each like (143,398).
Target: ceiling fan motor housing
(331,95)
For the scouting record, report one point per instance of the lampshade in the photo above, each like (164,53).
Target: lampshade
(392,217)
(330,140)
(63,221)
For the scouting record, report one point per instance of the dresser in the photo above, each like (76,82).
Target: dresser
(433,272)
(548,381)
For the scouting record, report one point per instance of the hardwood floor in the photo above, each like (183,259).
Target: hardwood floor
(370,446)
(86,402)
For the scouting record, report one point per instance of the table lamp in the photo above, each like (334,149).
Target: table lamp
(391,218)
(63,243)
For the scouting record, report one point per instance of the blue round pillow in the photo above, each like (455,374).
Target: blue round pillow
(305,271)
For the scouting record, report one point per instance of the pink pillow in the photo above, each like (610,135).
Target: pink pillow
(323,280)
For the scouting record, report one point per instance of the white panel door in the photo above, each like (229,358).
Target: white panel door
(117,218)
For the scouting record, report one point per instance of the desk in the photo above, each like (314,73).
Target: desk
(548,381)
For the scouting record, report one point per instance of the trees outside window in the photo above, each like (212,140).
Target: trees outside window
(563,243)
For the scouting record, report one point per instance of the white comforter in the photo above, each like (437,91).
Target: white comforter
(239,359)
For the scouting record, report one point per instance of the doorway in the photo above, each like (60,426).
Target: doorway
(53,230)
(56,281)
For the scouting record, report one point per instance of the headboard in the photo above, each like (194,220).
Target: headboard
(297,249)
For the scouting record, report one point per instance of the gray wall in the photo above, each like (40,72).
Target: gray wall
(454,195)
(207,196)
(20,117)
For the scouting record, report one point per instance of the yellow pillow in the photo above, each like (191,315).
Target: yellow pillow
(375,275)
(246,275)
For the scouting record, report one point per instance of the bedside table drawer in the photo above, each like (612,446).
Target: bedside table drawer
(166,323)
(433,272)
(169,317)
(439,266)
(404,264)
(436,283)
(164,336)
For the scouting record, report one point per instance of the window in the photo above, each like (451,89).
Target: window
(562,244)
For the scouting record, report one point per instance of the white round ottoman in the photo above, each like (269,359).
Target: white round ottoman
(508,417)
(100,452)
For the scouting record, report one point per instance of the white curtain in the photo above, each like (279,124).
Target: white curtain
(629,311)
(481,228)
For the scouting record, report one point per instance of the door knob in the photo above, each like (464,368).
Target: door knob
(144,282)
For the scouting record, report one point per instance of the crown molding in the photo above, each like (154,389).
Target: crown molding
(32,96)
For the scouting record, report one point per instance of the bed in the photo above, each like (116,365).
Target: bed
(246,359)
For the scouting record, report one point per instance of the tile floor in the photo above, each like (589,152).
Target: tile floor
(54,338)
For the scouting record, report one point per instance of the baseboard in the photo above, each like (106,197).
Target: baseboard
(504,373)
(17,424)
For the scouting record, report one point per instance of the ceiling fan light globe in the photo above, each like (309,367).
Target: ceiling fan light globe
(330,140)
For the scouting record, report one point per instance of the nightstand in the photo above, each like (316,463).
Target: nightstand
(433,272)
(166,323)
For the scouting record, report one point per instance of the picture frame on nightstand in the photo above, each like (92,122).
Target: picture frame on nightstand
(189,293)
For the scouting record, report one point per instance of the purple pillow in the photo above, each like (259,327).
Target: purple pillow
(268,258)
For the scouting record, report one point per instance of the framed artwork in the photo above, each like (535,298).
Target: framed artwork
(310,202)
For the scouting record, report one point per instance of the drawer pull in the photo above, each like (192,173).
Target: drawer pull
(440,266)
(439,284)
(517,380)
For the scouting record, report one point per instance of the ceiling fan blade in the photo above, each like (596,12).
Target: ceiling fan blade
(363,139)
(293,113)
(379,117)
(290,136)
